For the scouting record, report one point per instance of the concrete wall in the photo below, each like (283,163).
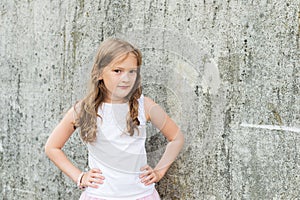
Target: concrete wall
(226,71)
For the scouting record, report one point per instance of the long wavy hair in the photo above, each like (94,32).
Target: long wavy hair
(86,119)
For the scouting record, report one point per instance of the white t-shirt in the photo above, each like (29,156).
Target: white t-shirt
(118,155)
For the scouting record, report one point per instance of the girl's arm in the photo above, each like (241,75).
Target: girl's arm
(57,140)
(53,149)
(171,131)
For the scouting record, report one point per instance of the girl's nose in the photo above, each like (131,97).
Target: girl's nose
(125,77)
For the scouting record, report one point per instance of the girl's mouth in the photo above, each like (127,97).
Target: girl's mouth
(123,87)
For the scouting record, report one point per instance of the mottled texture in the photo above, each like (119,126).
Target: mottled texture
(226,71)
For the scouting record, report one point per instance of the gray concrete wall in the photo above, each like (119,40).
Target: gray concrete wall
(226,71)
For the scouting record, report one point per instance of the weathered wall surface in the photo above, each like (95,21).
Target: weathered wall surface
(226,71)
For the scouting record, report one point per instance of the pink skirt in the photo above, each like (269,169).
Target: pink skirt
(153,196)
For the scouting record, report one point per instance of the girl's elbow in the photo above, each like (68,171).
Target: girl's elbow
(182,140)
(179,139)
(47,150)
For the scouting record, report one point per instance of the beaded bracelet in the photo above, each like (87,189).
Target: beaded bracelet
(79,184)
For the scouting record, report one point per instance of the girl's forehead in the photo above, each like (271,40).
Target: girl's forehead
(124,58)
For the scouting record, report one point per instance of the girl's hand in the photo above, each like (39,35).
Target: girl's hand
(149,175)
(92,178)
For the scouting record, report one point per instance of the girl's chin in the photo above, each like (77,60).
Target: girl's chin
(119,98)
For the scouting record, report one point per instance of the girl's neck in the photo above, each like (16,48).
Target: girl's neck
(111,101)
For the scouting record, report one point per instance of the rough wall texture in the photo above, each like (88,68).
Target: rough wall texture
(226,71)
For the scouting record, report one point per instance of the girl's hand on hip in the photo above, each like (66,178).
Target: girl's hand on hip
(92,178)
(149,175)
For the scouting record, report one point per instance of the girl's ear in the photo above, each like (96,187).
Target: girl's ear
(100,77)
(100,74)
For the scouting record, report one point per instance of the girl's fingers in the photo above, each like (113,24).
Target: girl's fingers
(95,170)
(145,174)
(146,167)
(148,178)
(99,176)
(149,175)
(151,179)
(92,178)
(96,180)
(92,185)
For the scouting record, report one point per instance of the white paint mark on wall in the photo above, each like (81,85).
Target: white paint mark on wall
(211,78)
(24,191)
(1,154)
(187,72)
(1,147)
(272,127)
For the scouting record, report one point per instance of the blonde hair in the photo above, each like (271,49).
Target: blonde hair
(86,119)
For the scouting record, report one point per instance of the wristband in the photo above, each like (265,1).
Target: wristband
(79,184)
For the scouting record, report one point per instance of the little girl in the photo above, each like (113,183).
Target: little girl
(112,120)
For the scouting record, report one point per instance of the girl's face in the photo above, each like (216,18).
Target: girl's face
(119,78)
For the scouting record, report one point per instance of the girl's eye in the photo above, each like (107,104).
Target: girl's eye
(132,71)
(117,71)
